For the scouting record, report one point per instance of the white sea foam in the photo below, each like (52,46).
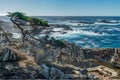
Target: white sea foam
(94,45)
(76,33)
(85,24)
(67,35)
(80,42)
(112,29)
(86,46)
(57,29)
(97,23)
(89,33)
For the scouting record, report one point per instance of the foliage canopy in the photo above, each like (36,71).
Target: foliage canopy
(32,21)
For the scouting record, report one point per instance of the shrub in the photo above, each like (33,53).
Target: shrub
(59,43)
(32,21)
(38,22)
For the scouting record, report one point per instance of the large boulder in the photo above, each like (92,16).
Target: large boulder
(8,55)
(51,72)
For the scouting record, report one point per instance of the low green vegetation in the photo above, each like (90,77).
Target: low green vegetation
(57,43)
(32,21)
(36,21)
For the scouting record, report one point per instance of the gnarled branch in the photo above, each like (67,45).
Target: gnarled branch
(21,29)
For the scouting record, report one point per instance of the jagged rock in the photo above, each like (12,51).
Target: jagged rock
(1,21)
(9,67)
(69,76)
(8,55)
(45,71)
(83,74)
(51,72)
(56,73)
(3,70)
(91,76)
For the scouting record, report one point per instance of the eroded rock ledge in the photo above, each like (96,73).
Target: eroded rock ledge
(60,62)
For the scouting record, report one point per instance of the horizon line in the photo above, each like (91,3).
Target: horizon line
(75,15)
(5,14)
(72,15)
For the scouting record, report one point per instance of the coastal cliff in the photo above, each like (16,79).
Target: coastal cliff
(49,58)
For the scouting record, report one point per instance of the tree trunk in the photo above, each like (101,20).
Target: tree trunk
(21,29)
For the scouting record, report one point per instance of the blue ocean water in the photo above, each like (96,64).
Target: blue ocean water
(93,34)
(87,31)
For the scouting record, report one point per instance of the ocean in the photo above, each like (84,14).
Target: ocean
(93,34)
(89,31)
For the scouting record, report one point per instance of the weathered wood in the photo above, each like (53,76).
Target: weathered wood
(21,29)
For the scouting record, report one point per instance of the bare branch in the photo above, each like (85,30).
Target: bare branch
(22,30)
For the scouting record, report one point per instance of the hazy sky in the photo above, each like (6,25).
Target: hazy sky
(62,7)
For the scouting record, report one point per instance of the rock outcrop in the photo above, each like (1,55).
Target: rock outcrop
(51,72)
(8,55)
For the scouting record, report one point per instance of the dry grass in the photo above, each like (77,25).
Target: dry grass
(26,60)
(30,62)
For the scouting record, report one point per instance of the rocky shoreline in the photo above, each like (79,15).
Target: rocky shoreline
(48,58)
